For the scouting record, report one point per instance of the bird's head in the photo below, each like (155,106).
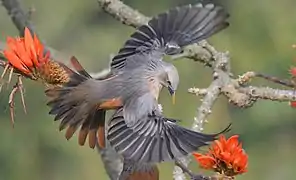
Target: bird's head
(170,79)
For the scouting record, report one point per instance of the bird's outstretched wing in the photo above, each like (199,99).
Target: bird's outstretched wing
(169,32)
(154,139)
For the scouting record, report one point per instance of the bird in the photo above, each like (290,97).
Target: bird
(137,73)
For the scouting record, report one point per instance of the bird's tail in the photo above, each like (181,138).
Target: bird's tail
(69,104)
(155,140)
(138,171)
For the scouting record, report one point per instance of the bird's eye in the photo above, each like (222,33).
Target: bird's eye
(169,83)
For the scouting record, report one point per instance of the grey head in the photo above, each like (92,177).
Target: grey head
(169,77)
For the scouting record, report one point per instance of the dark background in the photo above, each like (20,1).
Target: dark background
(259,39)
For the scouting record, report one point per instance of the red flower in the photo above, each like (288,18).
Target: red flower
(292,104)
(225,156)
(25,56)
(25,53)
(293,71)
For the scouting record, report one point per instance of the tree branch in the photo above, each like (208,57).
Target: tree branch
(18,16)
(123,13)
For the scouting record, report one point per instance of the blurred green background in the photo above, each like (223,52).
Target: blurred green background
(259,39)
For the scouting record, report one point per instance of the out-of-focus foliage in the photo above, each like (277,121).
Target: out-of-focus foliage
(259,38)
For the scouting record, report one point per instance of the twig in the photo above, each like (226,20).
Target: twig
(10,73)
(11,103)
(248,76)
(21,89)
(17,87)
(6,67)
(287,83)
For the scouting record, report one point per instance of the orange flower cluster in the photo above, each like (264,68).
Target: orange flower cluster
(25,53)
(225,157)
(25,56)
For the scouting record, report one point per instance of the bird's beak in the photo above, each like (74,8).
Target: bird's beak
(172,93)
(174,98)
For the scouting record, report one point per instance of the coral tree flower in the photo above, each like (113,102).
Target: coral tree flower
(293,71)
(225,157)
(293,104)
(25,54)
